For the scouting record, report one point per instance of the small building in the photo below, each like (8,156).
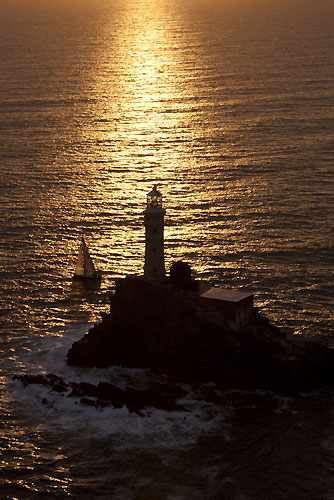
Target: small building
(233,307)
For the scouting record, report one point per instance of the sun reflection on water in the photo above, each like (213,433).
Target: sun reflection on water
(143,92)
(149,103)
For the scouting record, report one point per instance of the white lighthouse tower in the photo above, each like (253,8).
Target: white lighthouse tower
(154,236)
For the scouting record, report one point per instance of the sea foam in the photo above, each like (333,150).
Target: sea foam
(58,413)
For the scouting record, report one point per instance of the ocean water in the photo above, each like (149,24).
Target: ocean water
(228,107)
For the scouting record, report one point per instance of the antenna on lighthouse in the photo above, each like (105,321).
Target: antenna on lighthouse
(154,266)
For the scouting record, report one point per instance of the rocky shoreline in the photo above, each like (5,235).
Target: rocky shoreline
(159,395)
(158,325)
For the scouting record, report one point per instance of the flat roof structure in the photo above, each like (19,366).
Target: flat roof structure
(225,294)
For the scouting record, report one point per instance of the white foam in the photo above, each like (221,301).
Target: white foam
(54,412)
(57,413)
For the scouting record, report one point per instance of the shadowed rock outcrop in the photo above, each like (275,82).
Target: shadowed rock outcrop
(160,395)
(162,326)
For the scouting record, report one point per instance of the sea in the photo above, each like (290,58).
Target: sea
(226,105)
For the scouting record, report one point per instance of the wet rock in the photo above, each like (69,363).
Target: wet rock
(160,325)
(160,396)
(27,379)
(92,349)
(59,388)
(87,402)
(54,381)
(83,389)
(110,392)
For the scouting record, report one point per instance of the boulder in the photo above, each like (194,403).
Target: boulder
(162,396)
(180,276)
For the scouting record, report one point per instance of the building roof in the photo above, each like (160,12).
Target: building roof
(225,294)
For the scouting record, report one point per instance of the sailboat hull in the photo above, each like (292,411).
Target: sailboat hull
(96,276)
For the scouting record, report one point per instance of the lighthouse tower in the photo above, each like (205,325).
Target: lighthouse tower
(154,236)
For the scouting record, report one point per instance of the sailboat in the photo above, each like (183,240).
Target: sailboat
(85,267)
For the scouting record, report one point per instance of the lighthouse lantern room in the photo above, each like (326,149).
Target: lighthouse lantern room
(154,267)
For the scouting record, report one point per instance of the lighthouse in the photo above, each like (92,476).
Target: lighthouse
(154,236)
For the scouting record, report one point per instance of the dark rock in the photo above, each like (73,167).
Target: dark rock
(100,403)
(84,389)
(55,378)
(27,379)
(54,381)
(92,349)
(88,402)
(180,276)
(160,396)
(59,388)
(172,390)
(109,391)
(161,325)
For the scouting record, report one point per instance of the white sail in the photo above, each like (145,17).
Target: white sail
(87,261)
(79,269)
(85,267)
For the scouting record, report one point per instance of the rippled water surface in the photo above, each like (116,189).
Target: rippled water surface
(228,106)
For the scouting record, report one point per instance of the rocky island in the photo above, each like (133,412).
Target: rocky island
(190,332)
(165,326)
(194,332)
